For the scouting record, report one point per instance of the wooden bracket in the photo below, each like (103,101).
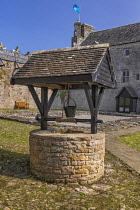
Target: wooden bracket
(89,98)
(52,97)
(36,99)
(94,99)
(44,105)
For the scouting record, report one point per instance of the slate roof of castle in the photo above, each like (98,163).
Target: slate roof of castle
(114,36)
(63,62)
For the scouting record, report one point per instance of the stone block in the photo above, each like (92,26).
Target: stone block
(68,170)
(73,180)
(57,171)
(82,182)
(42,156)
(98,148)
(82,171)
(60,181)
(46,149)
(75,176)
(56,149)
(82,150)
(80,163)
(47,143)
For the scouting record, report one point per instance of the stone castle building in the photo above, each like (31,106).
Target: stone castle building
(125,53)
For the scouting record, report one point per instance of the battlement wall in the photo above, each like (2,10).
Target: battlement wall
(13,56)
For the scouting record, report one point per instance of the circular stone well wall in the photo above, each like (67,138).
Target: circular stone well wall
(67,158)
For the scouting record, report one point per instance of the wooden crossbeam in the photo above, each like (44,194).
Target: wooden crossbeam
(67,119)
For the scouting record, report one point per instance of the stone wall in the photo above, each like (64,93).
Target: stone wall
(8,93)
(121,63)
(67,158)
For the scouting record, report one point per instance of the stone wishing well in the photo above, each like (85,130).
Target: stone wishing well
(67,158)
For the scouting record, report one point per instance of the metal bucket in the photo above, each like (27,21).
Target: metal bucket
(70,110)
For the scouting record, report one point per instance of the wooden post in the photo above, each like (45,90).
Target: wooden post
(44,103)
(93,100)
(100,95)
(94,89)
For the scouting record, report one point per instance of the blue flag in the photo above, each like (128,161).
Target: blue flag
(76,8)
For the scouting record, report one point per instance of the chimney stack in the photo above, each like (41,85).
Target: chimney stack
(81,31)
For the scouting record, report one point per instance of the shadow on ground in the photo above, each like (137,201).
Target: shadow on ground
(14,164)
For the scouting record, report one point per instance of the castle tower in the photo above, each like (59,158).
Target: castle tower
(81,31)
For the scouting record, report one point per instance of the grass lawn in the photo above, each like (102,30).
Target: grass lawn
(19,190)
(132,140)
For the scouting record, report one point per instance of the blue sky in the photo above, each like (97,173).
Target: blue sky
(48,24)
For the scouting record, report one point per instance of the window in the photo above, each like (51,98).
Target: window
(137,77)
(125,76)
(127,52)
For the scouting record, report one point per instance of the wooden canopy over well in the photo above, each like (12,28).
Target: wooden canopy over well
(79,67)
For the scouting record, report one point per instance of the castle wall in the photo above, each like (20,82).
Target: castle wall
(8,93)
(122,63)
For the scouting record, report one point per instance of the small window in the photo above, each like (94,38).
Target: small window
(125,76)
(137,77)
(127,52)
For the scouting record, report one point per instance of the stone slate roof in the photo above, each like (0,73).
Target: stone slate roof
(114,36)
(63,62)
(130,90)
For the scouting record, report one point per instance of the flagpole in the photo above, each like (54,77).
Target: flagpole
(79,17)
(77,9)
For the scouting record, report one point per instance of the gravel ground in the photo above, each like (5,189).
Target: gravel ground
(110,122)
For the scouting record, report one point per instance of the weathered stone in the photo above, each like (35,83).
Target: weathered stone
(86,190)
(84,150)
(57,171)
(68,162)
(72,180)
(58,181)
(82,171)
(101,187)
(67,170)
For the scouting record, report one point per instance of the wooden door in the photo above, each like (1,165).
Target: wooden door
(124,105)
